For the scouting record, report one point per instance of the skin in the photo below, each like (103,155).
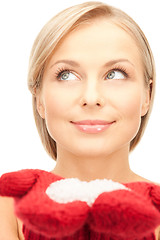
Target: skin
(87,93)
(90,95)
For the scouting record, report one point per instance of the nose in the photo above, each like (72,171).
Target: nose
(92,95)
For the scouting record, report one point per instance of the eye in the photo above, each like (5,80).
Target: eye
(116,74)
(66,76)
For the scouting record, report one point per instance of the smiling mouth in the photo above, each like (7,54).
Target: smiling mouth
(92,126)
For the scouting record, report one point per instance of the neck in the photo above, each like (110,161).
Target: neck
(115,167)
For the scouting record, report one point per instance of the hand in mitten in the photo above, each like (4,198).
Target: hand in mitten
(55,207)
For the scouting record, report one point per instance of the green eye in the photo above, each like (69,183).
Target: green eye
(66,75)
(115,74)
(111,75)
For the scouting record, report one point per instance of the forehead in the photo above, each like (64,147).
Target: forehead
(102,39)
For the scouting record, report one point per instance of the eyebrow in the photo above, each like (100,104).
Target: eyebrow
(76,64)
(70,62)
(112,62)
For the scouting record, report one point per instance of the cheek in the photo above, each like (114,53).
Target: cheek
(127,99)
(55,103)
(56,107)
(130,105)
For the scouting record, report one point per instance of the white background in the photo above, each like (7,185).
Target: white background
(20,22)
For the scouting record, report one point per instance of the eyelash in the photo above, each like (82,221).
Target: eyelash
(60,71)
(120,69)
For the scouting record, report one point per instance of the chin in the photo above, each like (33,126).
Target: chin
(93,151)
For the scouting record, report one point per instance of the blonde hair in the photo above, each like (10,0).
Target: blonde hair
(55,31)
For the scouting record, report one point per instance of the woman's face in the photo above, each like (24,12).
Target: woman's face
(93,93)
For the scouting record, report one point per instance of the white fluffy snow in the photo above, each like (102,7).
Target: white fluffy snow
(72,189)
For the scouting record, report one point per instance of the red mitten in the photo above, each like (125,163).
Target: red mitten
(59,208)
(155,196)
(126,213)
(16,184)
(38,212)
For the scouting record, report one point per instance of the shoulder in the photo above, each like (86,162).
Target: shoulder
(157,233)
(8,222)
(150,187)
(138,178)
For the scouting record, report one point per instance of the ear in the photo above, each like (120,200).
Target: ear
(40,106)
(146,100)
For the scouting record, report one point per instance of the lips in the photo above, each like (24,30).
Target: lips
(92,126)
(92,122)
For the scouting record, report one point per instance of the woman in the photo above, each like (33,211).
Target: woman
(92,78)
